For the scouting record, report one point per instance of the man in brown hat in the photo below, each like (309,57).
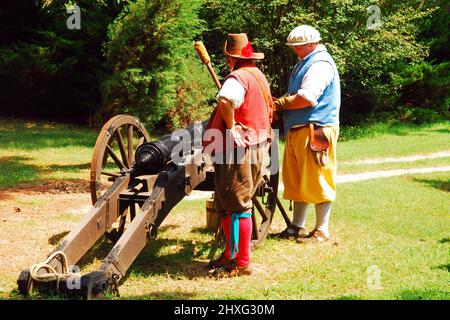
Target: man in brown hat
(245,111)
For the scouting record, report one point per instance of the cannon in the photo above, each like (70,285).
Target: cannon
(135,178)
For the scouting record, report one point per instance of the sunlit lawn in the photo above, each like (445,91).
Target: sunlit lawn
(396,228)
(32,152)
(391,236)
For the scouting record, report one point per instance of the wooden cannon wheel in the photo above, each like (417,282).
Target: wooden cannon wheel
(114,151)
(113,154)
(265,201)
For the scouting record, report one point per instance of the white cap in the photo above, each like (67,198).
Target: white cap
(303,34)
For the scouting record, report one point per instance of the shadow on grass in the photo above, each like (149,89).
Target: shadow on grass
(167,227)
(432,294)
(38,136)
(445,267)
(99,251)
(57,237)
(435,183)
(14,170)
(201,230)
(173,257)
(444,240)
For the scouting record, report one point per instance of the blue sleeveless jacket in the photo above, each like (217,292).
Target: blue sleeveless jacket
(326,112)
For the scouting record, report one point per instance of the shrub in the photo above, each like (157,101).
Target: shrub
(367,59)
(155,72)
(46,70)
(425,86)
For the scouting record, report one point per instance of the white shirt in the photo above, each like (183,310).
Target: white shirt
(317,78)
(233,91)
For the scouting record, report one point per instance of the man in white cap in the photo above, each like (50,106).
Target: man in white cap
(311,124)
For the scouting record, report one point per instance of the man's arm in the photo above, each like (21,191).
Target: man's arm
(226,111)
(316,79)
(297,102)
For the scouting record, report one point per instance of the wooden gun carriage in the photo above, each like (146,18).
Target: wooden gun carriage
(121,187)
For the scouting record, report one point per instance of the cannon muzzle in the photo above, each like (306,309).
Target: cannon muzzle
(152,157)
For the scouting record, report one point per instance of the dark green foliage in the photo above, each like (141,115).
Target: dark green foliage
(425,94)
(137,57)
(436,31)
(155,71)
(47,70)
(368,60)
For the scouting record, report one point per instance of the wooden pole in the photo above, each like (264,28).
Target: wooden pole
(206,60)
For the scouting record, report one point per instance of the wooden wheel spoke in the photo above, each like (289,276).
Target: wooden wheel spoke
(130,144)
(109,174)
(255,234)
(114,157)
(120,129)
(141,140)
(122,150)
(261,209)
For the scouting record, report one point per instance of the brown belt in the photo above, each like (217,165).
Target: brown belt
(297,128)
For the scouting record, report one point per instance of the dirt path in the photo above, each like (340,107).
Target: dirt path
(345,178)
(435,155)
(31,225)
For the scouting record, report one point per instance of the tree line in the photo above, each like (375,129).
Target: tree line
(137,56)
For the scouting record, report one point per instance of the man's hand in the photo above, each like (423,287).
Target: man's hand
(239,134)
(281,104)
(290,103)
(240,137)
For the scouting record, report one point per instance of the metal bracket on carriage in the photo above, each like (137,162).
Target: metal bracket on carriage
(195,170)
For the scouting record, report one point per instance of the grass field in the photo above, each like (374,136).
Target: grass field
(391,236)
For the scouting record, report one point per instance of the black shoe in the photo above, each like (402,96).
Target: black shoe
(232,271)
(292,232)
(315,236)
(222,261)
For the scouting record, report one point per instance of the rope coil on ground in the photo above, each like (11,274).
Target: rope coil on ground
(51,274)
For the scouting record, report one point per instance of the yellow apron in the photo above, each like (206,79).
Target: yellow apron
(304,180)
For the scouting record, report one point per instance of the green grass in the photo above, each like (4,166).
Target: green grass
(394,141)
(34,152)
(398,225)
(384,140)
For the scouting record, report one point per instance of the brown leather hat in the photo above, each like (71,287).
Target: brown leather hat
(238,46)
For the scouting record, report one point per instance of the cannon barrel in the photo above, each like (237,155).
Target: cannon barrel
(152,157)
